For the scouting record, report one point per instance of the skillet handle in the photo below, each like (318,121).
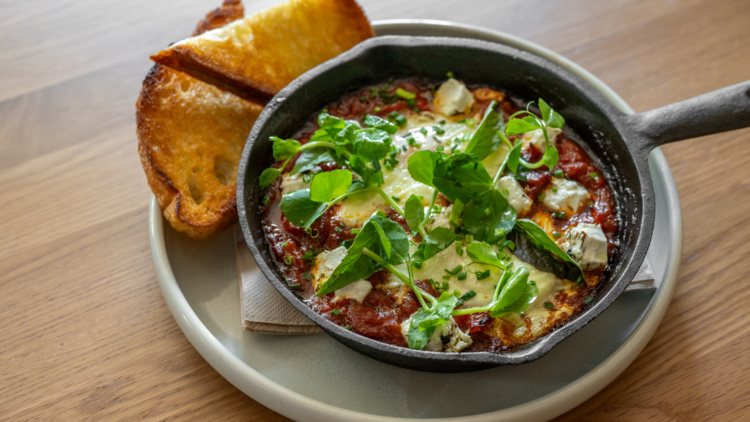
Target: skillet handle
(715,112)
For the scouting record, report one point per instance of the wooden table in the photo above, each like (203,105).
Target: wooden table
(86,333)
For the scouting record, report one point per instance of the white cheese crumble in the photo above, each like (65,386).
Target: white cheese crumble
(536,138)
(447,337)
(356,291)
(587,245)
(326,262)
(453,98)
(441,219)
(565,195)
(514,193)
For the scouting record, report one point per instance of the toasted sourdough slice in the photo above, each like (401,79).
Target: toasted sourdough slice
(190,137)
(257,56)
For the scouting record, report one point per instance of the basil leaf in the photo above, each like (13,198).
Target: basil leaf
(489,217)
(379,234)
(485,140)
(516,295)
(514,157)
(535,247)
(516,126)
(484,254)
(330,185)
(413,212)
(380,123)
(268,176)
(299,209)
(368,174)
(416,338)
(311,158)
(422,166)
(461,176)
(373,144)
(437,240)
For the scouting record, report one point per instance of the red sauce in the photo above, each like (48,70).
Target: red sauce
(383,310)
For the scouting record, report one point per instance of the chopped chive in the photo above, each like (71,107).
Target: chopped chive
(442,122)
(449,74)
(554,189)
(296,286)
(559,174)
(266,200)
(423,131)
(438,129)
(337,229)
(405,94)
(308,276)
(481,275)
(354,231)
(588,299)
(556,234)
(395,198)
(549,305)
(377,109)
(541,196)
(362,99)
(593,175)
(284,245)
(591,203)
(461,275)
(347,327)
(335,312)
(560,215)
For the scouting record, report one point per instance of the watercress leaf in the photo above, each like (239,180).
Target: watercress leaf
(311,158)
(441,313)
(326,121)
(284,148)
(327,186)
(550,157)
(413,212)
(461,176)
(396,237)
(373,144)
(299,209)
(321,135)
(516,126)
(485,140)
(380,123)
(347,134)
(484,254)
(268,176)
(514,157)
(437,240)
(545,109)
(368,174)
(422,165)
(416,338)
(535,247)
(489,217)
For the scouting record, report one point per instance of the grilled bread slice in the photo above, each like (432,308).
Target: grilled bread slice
(190,137)
(257,56)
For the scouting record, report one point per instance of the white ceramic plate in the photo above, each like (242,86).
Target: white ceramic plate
(317,379)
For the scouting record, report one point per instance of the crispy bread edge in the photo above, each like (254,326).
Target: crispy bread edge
(186,60)
(169,197)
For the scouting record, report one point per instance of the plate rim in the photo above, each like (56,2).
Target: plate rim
(297,406)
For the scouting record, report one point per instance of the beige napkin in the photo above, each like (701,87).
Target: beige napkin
(264,310)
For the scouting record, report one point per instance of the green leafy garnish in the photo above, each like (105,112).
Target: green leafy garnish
(414,212)
(486,139)
(489,217)
(380,123)
(530,122)
(436,241)
(535,247)
(330,185)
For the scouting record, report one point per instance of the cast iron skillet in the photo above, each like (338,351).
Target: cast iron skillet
(620,142)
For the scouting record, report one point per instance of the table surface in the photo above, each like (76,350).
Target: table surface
(86,332)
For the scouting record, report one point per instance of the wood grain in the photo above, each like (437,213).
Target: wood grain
(86,333)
